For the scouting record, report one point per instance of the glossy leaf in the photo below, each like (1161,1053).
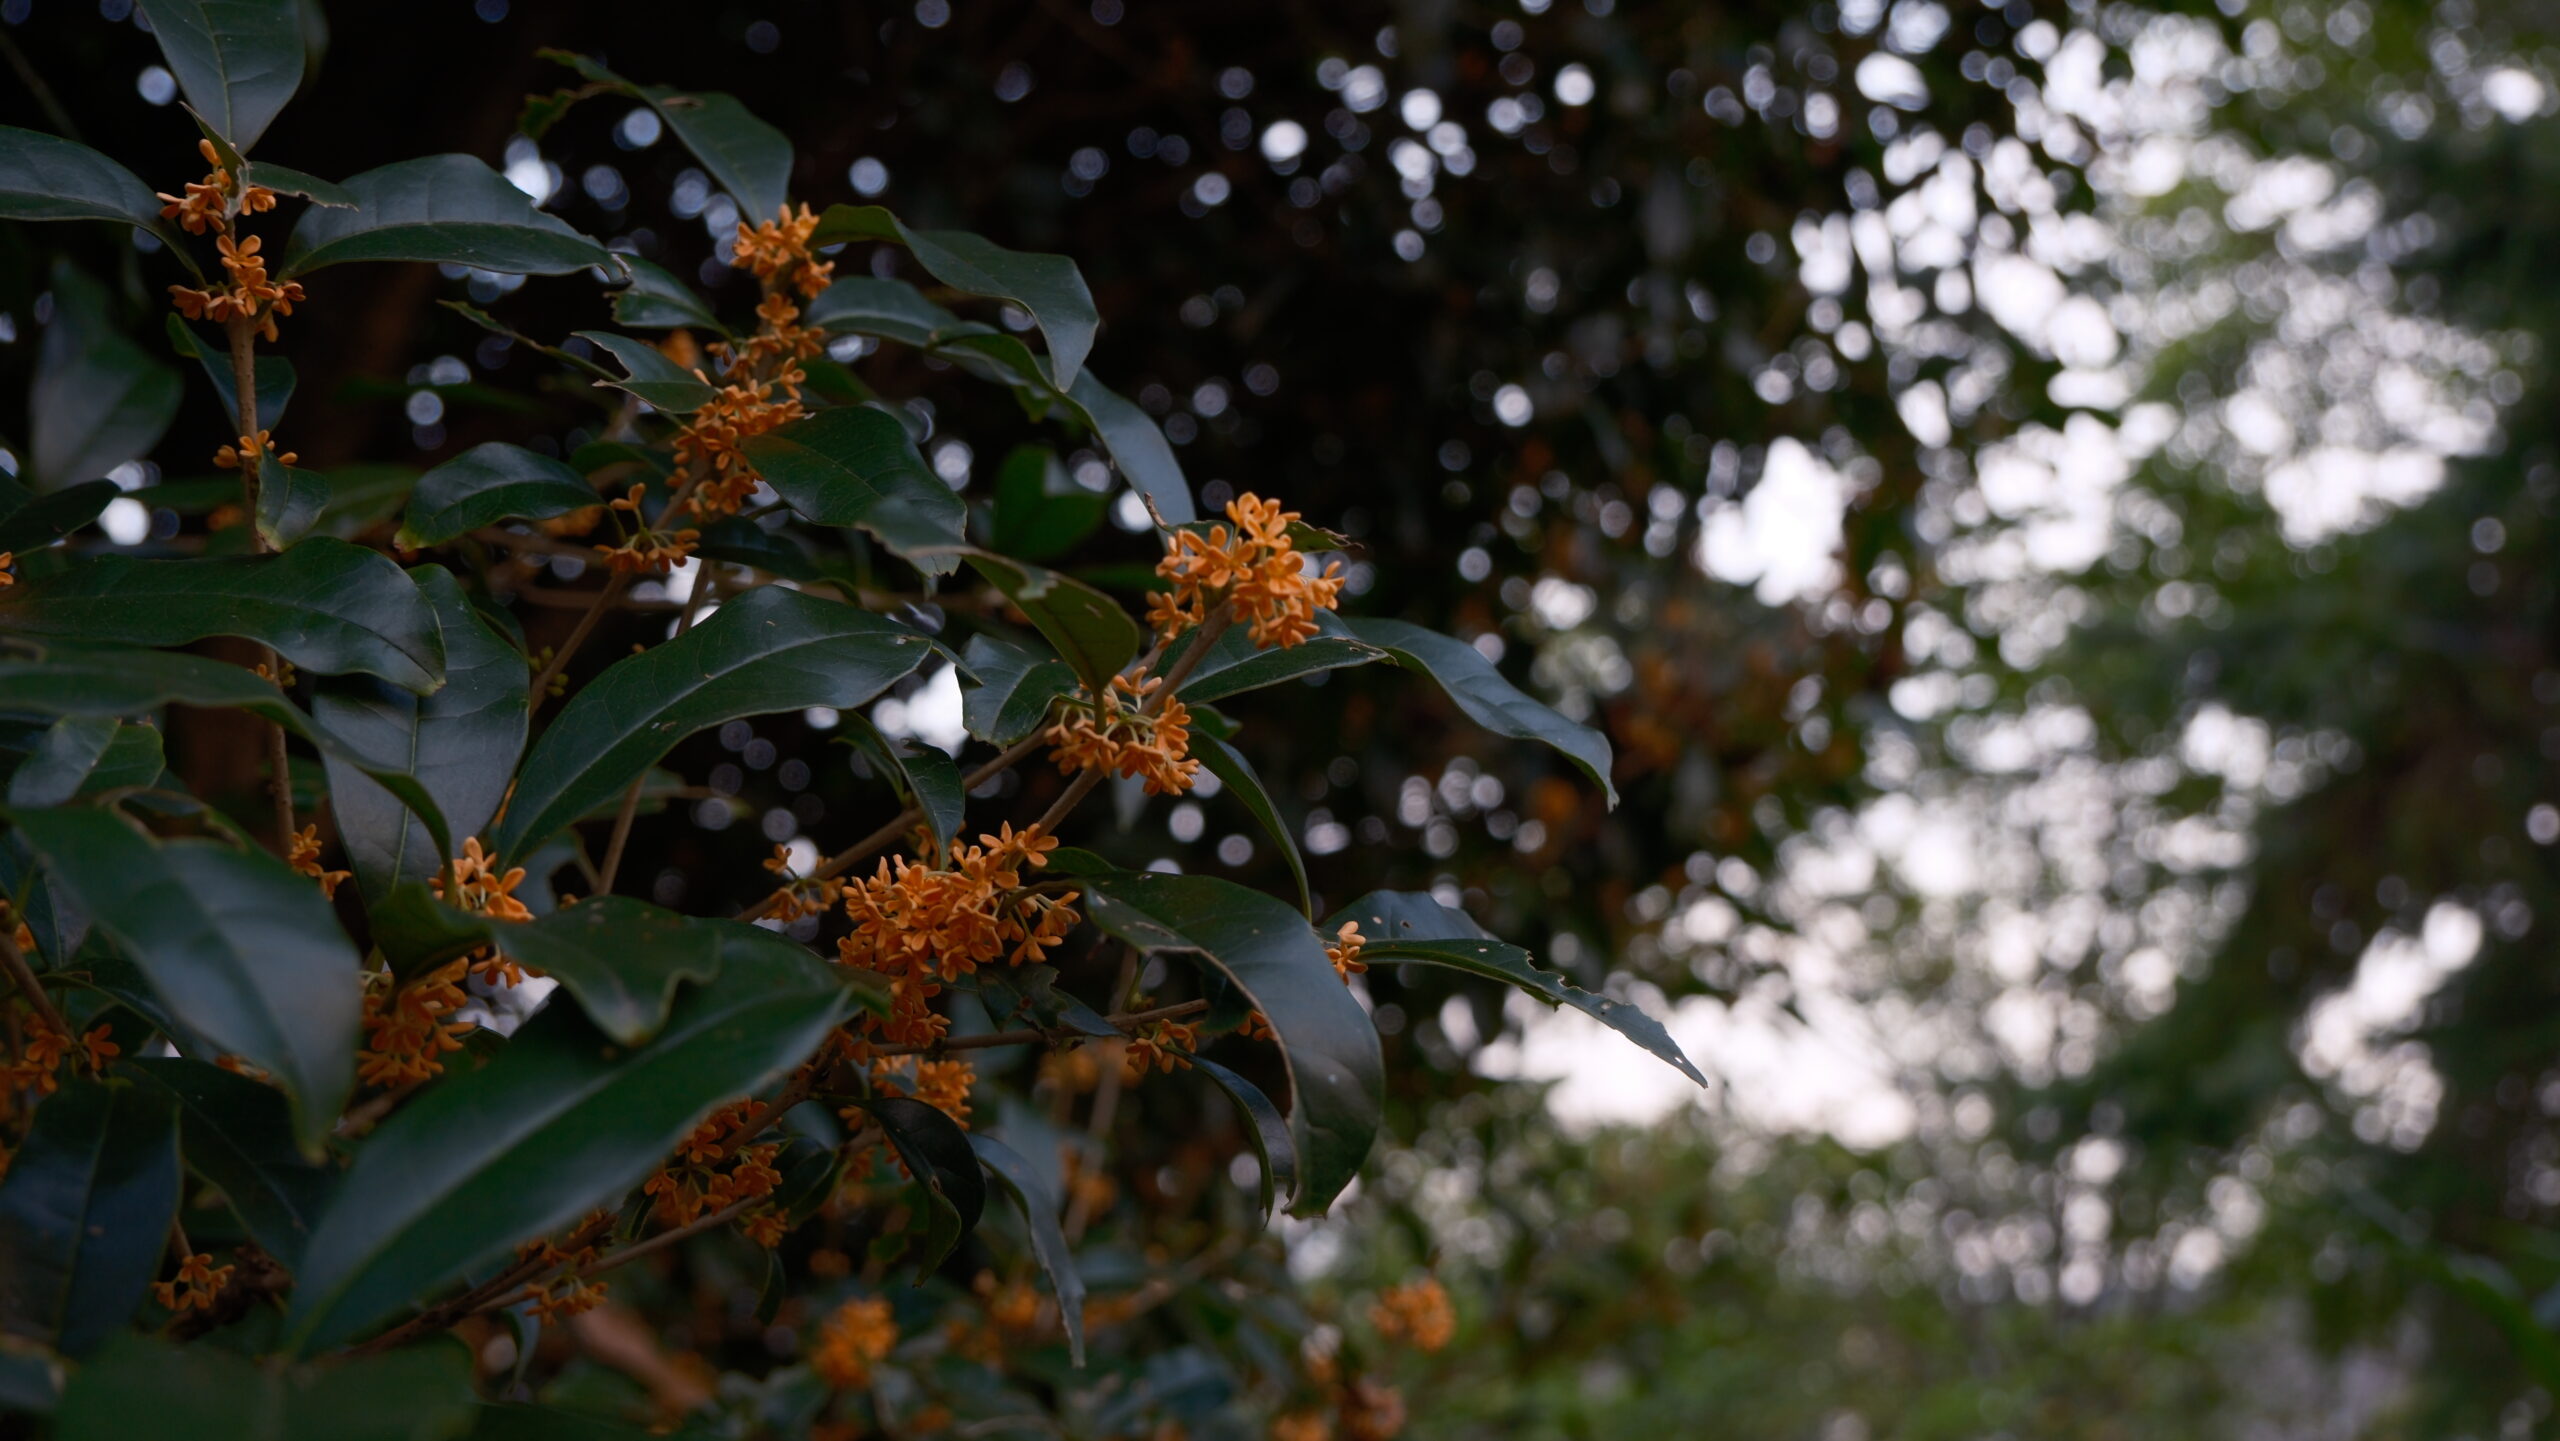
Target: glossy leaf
(658,299)
(70,679)
(1488,699)
(98,400)
(416,931)
(145,1387)
(1048,286)
(1040,1206)
(769,650)
(290,501)
(1040,513)
(1406,928)
(238,1135)
(924,775)
(1269,952)
(1014,692)
(490,482)
(1137,446)
(234,941)
(45,177)
(239,61)
(650,375)
(272,374)
(327,606)
(623,959)
(938,1156)
(447,210)
(61,760)
(1089,629)
(1237,775)
(285,180)
(870,305)
(750,159)
(461,743)
(1268,1129)
(1234,665)
(1029,995)
(84,1213)
(855,465)
(561,1120)
(30,522)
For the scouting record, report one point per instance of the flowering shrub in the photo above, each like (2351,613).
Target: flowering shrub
(295,1099)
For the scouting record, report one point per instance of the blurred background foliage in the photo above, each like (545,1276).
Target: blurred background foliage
(2052,504)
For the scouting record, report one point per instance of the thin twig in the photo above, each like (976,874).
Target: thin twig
(243,335)
(1028,1036)
(621,835)
(904,821)
(613,587)
(15,962)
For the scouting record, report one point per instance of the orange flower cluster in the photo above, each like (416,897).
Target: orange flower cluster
(860,1332)
(251,295)
(248,450)
(207,203)
(694,1184)
(1417,1311)
(943,1085)
(1345,951)
(564,1290)
(649,551)
(195,1287)
(8,568)
(759,381)
(777,253)
(798,895)
(305,857)
(406,1030)
(1163,1046)
(1257,568)
(43,1051)
(921,925)
(1132,729)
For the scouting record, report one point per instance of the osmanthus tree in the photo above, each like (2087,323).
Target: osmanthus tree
(320,1121)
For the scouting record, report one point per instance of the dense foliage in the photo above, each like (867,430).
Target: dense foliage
(305,1086)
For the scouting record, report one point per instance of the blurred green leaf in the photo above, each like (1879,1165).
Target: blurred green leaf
(84,1213)
(238,1135)
(99,399)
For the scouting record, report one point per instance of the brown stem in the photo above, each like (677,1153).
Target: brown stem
(243,335)
(621,835)
(1026,1037)
(614,585)
(15,962)
(437,1318)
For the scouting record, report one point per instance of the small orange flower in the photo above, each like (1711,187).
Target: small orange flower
(195,1287)
(1417,1311)
(8,568)
(100,1049)
(1344,952)
(1163,1045)
(921,926)
(860,1332)
(305,857)
(247,451)
(1370,1411)
(1257,567)
(1132,729)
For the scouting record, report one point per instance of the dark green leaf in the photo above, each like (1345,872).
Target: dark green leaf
(937,1154)
(1488,699)
(461,743)
(45,177)
(543,1423)
(238,1135)
(1040,513)
(32,522)
(444,209)
(234,941)
(488,483)
(1039,1205)
(560,1121)
(1048,286)
(652,377)
(239,61)
(287,181)
(1014,692)
(855,465)
(1404,927)
(741,541)
(290,501)
(273,374)
(750,159)
(1029,995)
(1273,955)
(327,606)
(30,1378)
(1137,446)
(99,400)
(1263,1122)
(924,775)
(143,1387)
(622,959)
(417,932)
(116,681)
(1091,632)
(84,1214)
(64,755)
(1235,665)
(769,650)
(656,299)
(869,305)
(1236,774)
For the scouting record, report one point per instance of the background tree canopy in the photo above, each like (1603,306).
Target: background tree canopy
(2049,505)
